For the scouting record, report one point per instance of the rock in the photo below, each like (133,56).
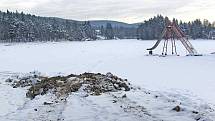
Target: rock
(97,92)
(124,96)
(46,103)
(9,80)
(195,112)
(125,86)
(198,117)
(177,109)
(35,109)
(86,95)
(116,86)
(114,101)
(156,96)
(110,75)
(15,86)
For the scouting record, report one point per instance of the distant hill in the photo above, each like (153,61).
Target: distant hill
(99,23)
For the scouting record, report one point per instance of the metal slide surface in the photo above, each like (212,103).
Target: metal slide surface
(159,40)
(155,46)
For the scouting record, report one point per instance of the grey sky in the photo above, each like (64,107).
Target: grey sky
(122,10)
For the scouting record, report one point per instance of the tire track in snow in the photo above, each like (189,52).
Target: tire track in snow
(36,110)
(103,108)
(99,112)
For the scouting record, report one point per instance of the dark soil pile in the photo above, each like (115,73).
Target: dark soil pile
(91,83)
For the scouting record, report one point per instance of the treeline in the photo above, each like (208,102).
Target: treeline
(152,28)
(20,27)
(116,32)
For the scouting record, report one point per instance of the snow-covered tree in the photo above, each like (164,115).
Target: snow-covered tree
(109,33)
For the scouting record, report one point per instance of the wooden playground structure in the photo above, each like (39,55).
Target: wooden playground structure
(173,32)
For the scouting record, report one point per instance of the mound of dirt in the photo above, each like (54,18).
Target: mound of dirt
(25,80)
(91,83)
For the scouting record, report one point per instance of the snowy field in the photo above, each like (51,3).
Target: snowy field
(185,75)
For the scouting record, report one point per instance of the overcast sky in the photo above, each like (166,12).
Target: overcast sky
(130,11)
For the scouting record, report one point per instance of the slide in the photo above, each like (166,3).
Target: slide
(159,40)
(156,44)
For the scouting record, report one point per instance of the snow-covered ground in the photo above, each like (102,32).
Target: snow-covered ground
(182,76)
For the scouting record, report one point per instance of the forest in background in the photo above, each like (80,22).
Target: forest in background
(21,27)
(152,28)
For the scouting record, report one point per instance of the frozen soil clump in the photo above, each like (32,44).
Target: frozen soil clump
(91,83)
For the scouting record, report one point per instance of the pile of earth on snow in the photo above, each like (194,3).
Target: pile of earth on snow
(91,83)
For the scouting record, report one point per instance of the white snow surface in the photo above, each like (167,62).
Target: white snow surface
(189,80)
